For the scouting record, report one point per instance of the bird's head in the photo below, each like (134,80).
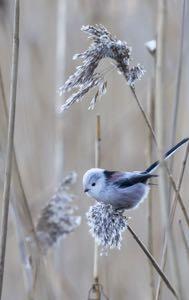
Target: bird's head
(94,182)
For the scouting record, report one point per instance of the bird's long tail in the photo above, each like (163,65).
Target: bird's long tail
(168,154)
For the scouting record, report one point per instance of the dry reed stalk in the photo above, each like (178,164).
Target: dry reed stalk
(96,292)
(97,165)
(59,122)
(20,208)
(149,162)
(8,164)
(185,241)
(60,77)
(178,81)
(171,218)
(179,199)
(178,87)
(146,118)
(159,92)
(160,106)
(153,261)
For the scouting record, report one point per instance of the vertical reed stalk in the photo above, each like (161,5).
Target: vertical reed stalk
(178,86)
(21,210)
(11,123)
(97,165)
(150,206)
(159,97)
(59,78)
(178,79)
(60,64)
(185,241)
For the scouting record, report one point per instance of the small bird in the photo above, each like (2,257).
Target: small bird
(123,190)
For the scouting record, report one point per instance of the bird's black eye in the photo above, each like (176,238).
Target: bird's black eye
(93,184)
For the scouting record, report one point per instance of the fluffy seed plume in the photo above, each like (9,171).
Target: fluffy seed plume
(57,219)
(106,225)
(86,78)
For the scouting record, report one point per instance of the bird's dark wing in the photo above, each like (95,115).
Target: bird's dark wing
(109,174)
(134,179)
(112,176)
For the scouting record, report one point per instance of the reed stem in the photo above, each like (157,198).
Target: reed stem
(11,126)
(150,203)
(185,241)
(153,261)
(97,165)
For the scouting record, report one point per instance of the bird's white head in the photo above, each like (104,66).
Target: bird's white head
(94,182)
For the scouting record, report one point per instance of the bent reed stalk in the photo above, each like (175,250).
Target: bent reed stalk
(153,261)
(11,126)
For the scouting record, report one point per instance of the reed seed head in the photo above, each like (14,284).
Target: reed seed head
(106,225)
(57,219)
(86,77)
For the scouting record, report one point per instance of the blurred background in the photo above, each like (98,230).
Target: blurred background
(48,145)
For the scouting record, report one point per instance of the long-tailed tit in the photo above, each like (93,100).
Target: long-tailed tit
(123,190)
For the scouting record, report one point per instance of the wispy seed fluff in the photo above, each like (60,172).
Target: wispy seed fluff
(57,218)
(86,78)
(106,225)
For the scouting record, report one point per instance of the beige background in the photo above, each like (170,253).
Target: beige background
(124,273)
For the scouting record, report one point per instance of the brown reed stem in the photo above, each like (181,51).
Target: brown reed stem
(148,123)
(178,86)
(185,241)
(153,261)
(173,208)
(60,63)
(19,202)
(97,165)
(11,123)
(62,285)
(179,199)
(178,79)
(2,89)
(150,206)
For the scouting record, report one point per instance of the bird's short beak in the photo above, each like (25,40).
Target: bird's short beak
(86,190)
